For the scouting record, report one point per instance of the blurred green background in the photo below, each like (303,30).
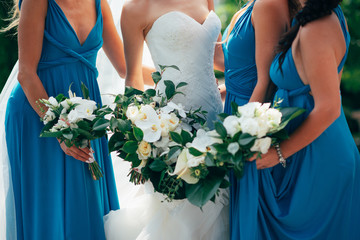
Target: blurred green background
(350,85)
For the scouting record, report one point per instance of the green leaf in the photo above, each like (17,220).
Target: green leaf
(176,137)
(124,125)
(85,125)
(222,116)
(170,89)
(51,134)
(224,184)
(220,129)
(138,133)
(158,166)
(156,76)
(288,114)
(60,97)
(199,194)
(150,92)
(174,152)
(246,140)
(85,91)
(86,134)
(234,107)
(133,158)
(239,170)
(209,160)
(117,140)
(220,147)
(68,136)
(186,137)
(181,84)
(101,124)
(130,147)
(195,152)
(130,91)
(164,67)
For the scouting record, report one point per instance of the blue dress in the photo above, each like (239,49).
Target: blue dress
(240,81)
(55,196)
(317,195)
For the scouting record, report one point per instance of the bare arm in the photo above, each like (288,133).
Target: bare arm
(30,40)
(318,58)
(133,43)
(113,46)
(218,55)
(269,23)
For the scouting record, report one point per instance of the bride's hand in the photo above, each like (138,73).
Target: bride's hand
(82,154)
(267,160)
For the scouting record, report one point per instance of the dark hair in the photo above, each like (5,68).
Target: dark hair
(313,9)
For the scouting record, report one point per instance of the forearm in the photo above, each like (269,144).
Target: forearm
(147,71)
(114,50)
(260,91)
(34,90)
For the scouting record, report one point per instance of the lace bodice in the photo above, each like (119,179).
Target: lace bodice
(177,39)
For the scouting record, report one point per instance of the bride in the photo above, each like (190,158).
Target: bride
(182,33)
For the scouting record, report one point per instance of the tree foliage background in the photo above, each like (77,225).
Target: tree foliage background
(350,86)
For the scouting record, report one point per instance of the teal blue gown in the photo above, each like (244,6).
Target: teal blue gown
(317,195)
(55,196)
(240,80)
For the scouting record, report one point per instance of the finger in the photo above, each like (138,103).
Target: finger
(79,157)
(86,150)
(79,152)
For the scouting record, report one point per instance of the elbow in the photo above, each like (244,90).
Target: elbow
(24,76)
(330,112)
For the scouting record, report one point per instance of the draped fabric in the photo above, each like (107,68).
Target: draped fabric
(55,196)
(316,196)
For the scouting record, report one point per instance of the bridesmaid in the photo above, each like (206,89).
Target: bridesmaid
(317,195)
(249,47)
(55,196)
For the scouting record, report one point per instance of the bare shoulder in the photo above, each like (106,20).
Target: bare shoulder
(322,33)
(270,7)
(135,10)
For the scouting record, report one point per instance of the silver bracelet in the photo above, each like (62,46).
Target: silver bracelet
(282,160)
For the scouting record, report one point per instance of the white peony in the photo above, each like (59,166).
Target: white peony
(232,125)
(261,145)
(249,125)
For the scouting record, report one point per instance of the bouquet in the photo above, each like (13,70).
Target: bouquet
(159,138)
(252,130)
(75,121)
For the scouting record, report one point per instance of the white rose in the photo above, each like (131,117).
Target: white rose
(248,110)
(249,125)
(263,128)
(273,117)
(232,125)
(262,109)
(144,150)
(261,145)
(233,148)
(132,112)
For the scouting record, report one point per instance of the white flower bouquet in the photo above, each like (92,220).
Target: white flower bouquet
(159,138)
(75,121)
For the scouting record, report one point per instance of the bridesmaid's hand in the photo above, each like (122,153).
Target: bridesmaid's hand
(267,160)
(82,154)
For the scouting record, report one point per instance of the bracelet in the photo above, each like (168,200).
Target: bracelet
(282,160)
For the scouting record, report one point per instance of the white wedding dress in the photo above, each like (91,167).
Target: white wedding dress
(175,39)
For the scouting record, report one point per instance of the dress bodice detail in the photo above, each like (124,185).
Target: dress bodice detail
(177,39)
(65,48)
(239,56)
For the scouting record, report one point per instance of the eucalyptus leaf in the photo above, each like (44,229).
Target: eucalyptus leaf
(138,133)
(176,137)
(169,89)
(101,124)
(220,129)
(246,140)
(186,137)
(156,76)
(181,84)
(150,92)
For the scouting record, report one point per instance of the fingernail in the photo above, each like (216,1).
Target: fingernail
(90,160)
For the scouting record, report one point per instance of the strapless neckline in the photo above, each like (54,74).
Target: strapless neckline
(179,13)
